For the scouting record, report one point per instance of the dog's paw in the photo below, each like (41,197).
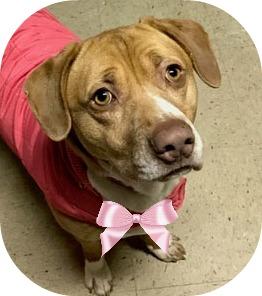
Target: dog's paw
(98,277)
(175,252)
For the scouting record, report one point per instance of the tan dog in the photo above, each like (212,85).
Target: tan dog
(128,99)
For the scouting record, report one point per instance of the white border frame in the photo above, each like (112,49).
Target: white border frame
(248,281)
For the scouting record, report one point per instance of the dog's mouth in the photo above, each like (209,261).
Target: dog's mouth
(175,173)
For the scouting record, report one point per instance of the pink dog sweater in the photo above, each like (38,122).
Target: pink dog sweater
(59,173)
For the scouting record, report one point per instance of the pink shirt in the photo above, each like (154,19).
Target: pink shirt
(59,173)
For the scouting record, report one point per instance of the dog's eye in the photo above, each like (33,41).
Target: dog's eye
(173,72)
(103,97)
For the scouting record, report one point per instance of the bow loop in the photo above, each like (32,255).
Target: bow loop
(112,214)
(161,213)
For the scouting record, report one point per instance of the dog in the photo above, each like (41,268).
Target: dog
(107,118)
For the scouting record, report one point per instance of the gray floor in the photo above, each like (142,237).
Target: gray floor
(220,223)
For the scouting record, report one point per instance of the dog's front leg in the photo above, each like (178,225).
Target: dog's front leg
(98,277)
(175,252)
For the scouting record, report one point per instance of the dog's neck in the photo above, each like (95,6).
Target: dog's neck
(137,196)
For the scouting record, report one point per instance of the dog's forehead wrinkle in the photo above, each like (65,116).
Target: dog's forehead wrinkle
(109,75)
(120,43)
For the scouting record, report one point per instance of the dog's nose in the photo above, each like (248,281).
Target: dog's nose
(172,140)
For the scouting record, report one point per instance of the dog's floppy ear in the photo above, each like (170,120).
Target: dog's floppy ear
(194,40)
(45,90)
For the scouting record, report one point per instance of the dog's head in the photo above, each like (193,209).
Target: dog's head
(128,98)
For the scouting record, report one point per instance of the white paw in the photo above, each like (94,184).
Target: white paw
(98,277)
(175,252)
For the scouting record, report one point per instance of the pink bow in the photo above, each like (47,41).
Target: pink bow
(119,220)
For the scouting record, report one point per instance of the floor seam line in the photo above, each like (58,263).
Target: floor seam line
(182,285)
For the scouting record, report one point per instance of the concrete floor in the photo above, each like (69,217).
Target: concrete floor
(220,223)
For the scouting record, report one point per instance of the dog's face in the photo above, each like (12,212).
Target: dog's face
(129,97)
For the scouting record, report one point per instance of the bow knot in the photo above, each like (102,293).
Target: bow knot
(136,218)
(119,220)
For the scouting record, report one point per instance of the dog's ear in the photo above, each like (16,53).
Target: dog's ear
(194,40)
(45,90)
